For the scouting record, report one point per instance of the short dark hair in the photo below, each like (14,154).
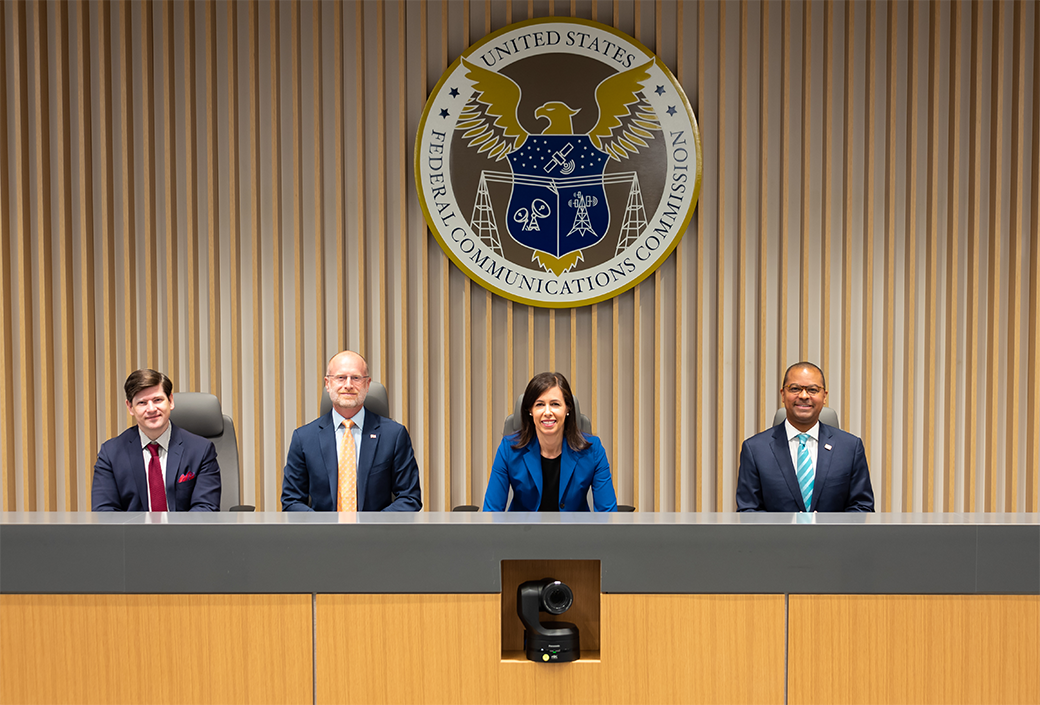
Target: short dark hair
(804,363)
(539,385)
(143,379)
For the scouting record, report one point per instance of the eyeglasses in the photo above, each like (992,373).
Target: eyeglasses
(346,379)
(797,390)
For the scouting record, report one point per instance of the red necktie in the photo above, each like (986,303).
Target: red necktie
(156,486)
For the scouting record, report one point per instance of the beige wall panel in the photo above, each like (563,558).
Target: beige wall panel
(656,649)
(155,649)
(913,649)
(861,206)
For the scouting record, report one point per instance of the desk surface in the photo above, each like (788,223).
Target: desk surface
(440,552)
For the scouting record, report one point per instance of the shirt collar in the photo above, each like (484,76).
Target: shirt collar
(792,432)
(163,440)
(358,418)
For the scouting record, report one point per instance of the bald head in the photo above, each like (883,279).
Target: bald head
(347,380)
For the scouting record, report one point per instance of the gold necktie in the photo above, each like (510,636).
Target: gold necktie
(347,470)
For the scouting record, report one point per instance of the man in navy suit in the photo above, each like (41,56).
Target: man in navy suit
(350,459)
(803,465)
(155,466)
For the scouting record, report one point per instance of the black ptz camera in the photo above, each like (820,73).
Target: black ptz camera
(551,642)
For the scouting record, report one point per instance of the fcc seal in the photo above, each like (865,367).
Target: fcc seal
(558,162)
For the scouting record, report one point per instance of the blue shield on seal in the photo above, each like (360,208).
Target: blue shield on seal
(557,204)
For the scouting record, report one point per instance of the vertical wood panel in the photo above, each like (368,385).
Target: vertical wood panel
(256,248)
(8,457)
(403,193)
(360,258)
(700,465)
(67,348)
(803,171)
(889,334)
(128,186)
(995,198)
(766,358)
(910,265)
(169,266)
(339,167)
(149,231)
(975,177)
(193,282)
(1033,383)
(786,176)
(743,215)
(827,186)
(847,236)
(381,234)
(681,291)
(931,360)
(446,469)
(46,460)
(1019,196)
(276,246)
(213,198)
(235,227)
(23,256)
(721,453)
(870,137)
(424,262)
(320,333)
(109,384)
(953,275)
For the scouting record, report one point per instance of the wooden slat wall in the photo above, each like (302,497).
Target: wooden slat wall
(225,192)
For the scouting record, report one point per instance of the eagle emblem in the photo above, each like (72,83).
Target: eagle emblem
(558,206)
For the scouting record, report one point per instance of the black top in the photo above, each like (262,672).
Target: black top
(550,484)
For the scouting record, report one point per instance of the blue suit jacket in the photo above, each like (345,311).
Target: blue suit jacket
(388,478)
(121,484)
(522,470)
(767,482)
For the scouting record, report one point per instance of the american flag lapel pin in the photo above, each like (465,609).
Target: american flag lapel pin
(827,446)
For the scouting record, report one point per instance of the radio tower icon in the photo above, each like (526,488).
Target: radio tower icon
(582,225)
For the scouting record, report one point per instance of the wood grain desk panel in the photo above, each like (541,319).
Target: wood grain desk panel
(155,649)
(914,649)
(447,648)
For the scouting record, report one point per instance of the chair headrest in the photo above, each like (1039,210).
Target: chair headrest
(198,413)
(828,416)
(376,401)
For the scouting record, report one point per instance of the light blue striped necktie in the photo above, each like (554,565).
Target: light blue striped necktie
(805,470)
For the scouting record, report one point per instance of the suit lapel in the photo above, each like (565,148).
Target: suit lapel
(137,468)
(782,454)
(568,462)
(823,463)
(533,463)
(327,444)
(369,441)
(173,464)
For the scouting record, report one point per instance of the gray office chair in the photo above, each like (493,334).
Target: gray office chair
(200,414)
(827,416)
(376,401)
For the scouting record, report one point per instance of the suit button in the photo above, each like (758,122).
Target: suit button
(561,506)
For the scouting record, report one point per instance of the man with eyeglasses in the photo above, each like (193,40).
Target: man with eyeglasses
(350,459)
(803,465)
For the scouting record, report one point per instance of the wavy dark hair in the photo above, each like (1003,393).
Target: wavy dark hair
(139,380)
(539,385)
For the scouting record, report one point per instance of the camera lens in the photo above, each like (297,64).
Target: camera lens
(557,598)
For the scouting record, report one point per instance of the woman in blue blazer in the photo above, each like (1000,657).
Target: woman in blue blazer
(550,463)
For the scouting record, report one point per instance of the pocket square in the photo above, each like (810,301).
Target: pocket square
(190,475)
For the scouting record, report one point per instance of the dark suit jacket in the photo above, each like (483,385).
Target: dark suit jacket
(388,478)
(767,482)
(121,485)
(522,469)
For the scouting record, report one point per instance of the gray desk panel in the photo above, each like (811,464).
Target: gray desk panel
(462,553)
